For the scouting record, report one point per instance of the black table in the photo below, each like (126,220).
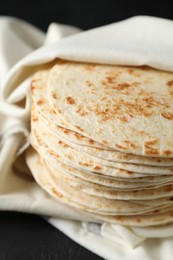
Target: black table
(29,237)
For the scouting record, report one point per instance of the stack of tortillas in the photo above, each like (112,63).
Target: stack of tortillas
(103,140)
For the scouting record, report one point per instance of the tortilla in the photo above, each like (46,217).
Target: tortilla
(126,108)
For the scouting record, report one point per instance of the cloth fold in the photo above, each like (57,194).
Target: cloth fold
(140,40)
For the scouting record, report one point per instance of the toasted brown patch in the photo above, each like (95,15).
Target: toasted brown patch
(78,136)
(130,144)
(79,128)
(53,153)
(123,156)
(123,119)
(152,142)
(57,193)
(32,87)
(63,144)
(54,95)
(40,102)
(90,141)
(170,83)
(65,131)
(85,164)
(104,142)
(120,147)
(122,86)
(89,83)
(37,136)
(80,110)
(167,115)
(52,111)
(69,156)
(167,152)
(70,100)
(97,168)
(35,118)
(151,151)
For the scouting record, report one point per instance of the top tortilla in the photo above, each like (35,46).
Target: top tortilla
(126,108)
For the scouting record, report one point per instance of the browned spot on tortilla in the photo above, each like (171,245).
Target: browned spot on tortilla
(54,95)
(100,131)
(120,146)
(150,102)
(97,168)
(130,144)
(37,136)
(167,115)
(52,111)
(57,193)
(51,152)
(89,83)
(123,156)
(80,110)
(151,151)
(130,71)
(122,86)
(117,109)
(69,156)
(90,141)
(65,131)
(79,128)
(40,102)
(78,136)
(85,164)
(32,87)
(170,86)
(167,152)
(35,118)
(63,144)
(170,83)
(104,142)
(110,79)
(70,100)
(152,142)
(129,172)
(123,119)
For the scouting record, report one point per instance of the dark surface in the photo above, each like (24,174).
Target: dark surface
(83,13)
(29,237)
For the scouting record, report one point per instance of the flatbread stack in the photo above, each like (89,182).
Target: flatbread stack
(102,140)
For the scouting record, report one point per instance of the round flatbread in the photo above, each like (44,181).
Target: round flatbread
(125,108)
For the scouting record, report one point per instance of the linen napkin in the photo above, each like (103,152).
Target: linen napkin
(140,40)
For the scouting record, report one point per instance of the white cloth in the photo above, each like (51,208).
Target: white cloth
(139,40)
